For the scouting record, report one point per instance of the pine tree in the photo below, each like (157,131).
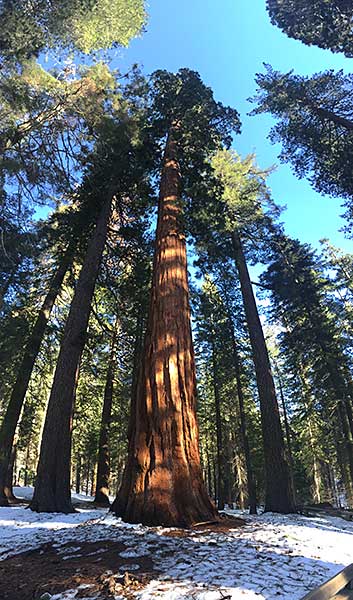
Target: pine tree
(314,126)
(324,24)
(300,298)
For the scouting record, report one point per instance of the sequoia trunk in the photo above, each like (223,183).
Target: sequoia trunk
(162,482)
(52,489)
(12,415)
(279,497)
(103,471)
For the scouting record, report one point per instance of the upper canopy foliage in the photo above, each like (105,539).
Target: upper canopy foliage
(29,26)
(324,23)
(315,125)
(201,126)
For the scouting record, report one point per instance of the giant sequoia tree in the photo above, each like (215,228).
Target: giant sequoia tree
(162,482)
(327,24)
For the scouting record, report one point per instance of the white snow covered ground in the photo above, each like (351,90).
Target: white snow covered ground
(272,556)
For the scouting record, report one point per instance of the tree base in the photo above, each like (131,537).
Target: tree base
(48,503)
(4,500)
(166,514)
(283,509)
(102,500)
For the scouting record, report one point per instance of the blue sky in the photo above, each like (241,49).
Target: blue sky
(227,41)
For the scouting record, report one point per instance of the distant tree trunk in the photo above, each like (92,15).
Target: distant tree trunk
(103,471)
(287,430)
(209,473)
(12,415)
(279,497)
(52,489)
(243,426)
(78,474)
(26,465)
(240,478)
(219,434)
(9,479)
(138,349)
(88,472)
(162,482)
(93,478)
(347,437)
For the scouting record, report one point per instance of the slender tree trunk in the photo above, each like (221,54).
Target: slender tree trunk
(78,474)
(219,435)
(26,465)
(347,436)
(103,471)
(287,430)
(138,349)
(240,478)
(162,482)
(209,473)
(88,473)
(52,489)
(12,415)
(9,479)
(279,497)
(316,471)
(93,478)
(243,427)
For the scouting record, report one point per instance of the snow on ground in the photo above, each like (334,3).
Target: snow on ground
(272,556)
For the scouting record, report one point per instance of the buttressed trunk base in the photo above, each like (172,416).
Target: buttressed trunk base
(162,482)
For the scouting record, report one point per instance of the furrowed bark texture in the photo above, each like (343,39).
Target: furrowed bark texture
(279,497)
(52,489)
(12,415)
(162,482)
(103,470)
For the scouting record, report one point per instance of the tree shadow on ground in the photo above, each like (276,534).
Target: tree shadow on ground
(89,556)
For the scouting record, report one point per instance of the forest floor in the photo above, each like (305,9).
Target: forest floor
(92,555)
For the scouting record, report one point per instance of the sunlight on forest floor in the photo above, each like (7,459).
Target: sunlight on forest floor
(90,554)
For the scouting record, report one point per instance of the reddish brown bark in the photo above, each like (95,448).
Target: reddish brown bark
(279,496)
(162,482)
(52,490)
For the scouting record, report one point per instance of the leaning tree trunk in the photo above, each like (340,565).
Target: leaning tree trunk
(251,484)
(279,497)
(52,489)
(162,482)
(103,470)
(12,415)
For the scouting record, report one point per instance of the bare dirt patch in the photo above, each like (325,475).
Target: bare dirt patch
(222,525)
(94,565)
